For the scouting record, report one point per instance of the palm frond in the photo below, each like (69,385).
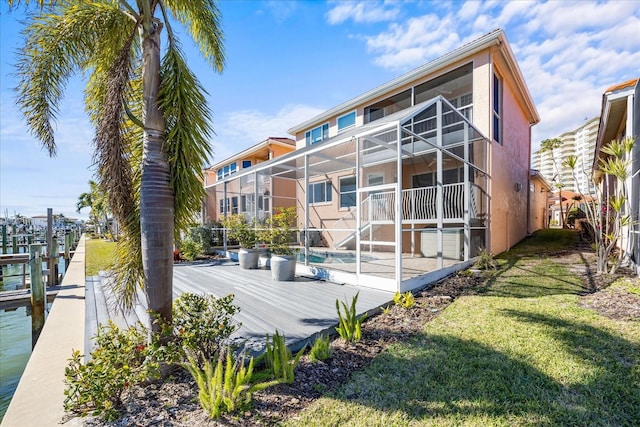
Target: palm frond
(202,19)
(187,145)
(58,42)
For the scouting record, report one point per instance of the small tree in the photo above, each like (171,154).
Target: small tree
(549,146)
(238,228)
(280,231)
(607,211)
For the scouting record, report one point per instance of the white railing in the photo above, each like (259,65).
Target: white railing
(418,205)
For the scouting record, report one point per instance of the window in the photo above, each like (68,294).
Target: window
(387,106)
(347,191)
(497,109)
(318,134)
(246,164)
(233,167)
(320,192)
(424,180)
(234,205)
(346,121)
(221,206)
(219,174)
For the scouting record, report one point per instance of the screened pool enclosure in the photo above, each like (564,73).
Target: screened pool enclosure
(393,204)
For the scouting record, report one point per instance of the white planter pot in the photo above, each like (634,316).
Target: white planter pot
(248,258)
(283,267)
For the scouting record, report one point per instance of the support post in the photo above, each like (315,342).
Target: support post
(54,257)
(4,238)
(67,248)
(49,237)
(37,292)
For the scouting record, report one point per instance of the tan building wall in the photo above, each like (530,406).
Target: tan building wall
(539,192)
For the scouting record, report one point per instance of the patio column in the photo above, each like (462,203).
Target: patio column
(358,210)
(439,179)
(306,209)
(255,196)
(467,195)
(224,214)
(398,209)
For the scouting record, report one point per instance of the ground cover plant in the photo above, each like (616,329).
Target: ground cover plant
(100,255)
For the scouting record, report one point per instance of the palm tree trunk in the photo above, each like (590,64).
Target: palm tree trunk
(156,195)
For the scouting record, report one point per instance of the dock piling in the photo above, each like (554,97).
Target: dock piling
(37,292)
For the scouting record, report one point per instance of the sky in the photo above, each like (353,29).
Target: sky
(287,61)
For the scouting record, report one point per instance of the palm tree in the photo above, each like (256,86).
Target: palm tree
(151,117)
(549,146)
(98,203)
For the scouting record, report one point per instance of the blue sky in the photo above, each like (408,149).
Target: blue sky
(287,61)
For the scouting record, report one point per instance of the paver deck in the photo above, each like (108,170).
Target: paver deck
(299,309)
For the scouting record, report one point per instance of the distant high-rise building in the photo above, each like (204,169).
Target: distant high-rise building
(581,143)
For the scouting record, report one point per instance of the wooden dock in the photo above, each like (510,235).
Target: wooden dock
(10,300)
(299,309)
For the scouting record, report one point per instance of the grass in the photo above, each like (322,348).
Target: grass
(521,353)
(100,255)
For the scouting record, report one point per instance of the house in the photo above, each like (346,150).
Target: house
(620,118)
(407,182)
(241,195)
(539,192)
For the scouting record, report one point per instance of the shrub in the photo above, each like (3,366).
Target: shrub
(320,349)
(405,300)
(350,326)
(203,324)
(120,360)
(238,228)
(202,236)
(227,387)
(485,260)
(280,231)
(279,358)
(190,249)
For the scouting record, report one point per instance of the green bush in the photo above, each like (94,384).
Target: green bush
(120,360)
(201,235)
(190,249)
(320,349)
(227,387)
(279,358)
(485,261)
(204,323)
(350,326)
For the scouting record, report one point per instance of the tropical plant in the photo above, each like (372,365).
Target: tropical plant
(607,207)
(96,200)
(119,361)
(238,228)
(321,349)
(405,300)
(279,359)
(202,235)
(225,387)
(280,230)
(350,325)
(150,113)
(485,260)
(549,146)
(190,249)
(204,323)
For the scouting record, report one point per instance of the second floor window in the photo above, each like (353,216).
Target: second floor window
(318,134)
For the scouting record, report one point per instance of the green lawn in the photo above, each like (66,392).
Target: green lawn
(522,352)
(99,256)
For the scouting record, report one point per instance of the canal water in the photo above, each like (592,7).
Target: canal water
(15,338)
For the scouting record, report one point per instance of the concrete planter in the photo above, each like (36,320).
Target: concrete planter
(248,259)
(283,267)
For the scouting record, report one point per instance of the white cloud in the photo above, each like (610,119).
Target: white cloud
(239,130)
(362,12)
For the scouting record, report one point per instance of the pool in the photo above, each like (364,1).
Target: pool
(316,257)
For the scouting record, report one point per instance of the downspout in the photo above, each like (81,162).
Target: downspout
(529,185)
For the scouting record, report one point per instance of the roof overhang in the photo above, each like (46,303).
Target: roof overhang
(253,149)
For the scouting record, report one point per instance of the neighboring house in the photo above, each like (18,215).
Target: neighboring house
(539,193)
(580,143)
(407,182)
(241,195)
(619,118)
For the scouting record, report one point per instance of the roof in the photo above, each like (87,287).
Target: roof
(624,85)
(494,38)
(288,142)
